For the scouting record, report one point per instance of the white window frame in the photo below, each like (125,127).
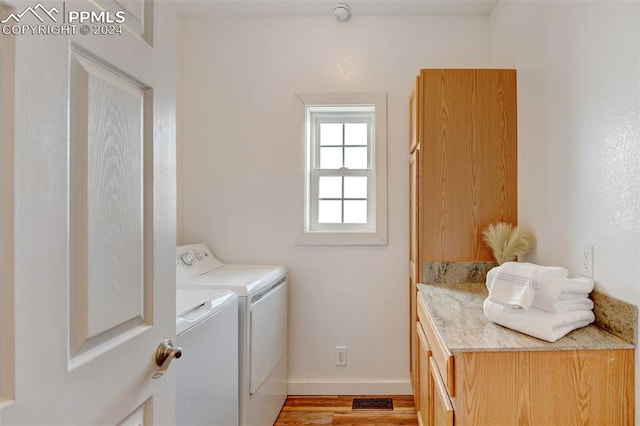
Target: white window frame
(317,115)
(343,107)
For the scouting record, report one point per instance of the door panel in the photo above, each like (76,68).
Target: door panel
(138,15)
(94,223)
(140,416)
(107,204)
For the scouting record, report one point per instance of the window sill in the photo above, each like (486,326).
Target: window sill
(341,238)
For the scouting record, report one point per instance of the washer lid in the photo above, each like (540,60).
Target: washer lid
(196,305)
(242,279)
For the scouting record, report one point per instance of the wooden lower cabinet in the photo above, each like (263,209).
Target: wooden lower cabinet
(520,387)
(574,387)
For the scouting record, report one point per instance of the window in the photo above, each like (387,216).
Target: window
(344,141)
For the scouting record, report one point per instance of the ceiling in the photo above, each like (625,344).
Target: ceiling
(325,7)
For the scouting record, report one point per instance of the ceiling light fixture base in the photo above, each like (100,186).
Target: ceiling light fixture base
(342,12)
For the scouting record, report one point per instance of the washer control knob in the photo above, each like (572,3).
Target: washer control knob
(187,259)
(199,255)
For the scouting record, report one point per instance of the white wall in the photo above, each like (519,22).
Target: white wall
(239,173)
(579,133)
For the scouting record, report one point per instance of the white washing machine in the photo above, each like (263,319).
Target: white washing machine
(207,371)
(262,308)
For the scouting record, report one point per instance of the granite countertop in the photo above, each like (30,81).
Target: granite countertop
(456,310)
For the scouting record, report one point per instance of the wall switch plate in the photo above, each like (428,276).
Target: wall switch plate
(586,261)
(341,355)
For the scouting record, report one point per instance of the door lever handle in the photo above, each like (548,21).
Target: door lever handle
(164,355)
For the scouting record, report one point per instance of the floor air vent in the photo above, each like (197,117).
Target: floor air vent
(372,404)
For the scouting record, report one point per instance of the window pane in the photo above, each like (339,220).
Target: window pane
(355,158)
(355,134)
(355,212)
(329,211)
(330,187)
(330,133)
(355,187)
(330,158)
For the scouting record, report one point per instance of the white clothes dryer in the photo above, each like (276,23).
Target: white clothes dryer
(262,309)
(207,372)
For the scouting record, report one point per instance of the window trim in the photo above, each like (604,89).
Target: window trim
(349,234)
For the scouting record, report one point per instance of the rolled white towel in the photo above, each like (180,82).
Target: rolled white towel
(514,284)
(537,323)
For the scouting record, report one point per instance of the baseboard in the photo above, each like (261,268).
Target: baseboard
(349,388)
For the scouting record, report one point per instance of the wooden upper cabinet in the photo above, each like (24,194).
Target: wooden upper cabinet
(467,128)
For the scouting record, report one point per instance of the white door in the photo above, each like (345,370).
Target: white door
(94,212)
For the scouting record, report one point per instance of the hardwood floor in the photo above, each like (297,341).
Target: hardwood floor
(336,410)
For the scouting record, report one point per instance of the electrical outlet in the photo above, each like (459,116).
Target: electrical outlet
(586,261)
(341,355)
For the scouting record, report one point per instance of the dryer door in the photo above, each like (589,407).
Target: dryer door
(268,329)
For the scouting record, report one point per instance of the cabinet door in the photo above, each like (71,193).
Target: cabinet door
(414,116)
(442,408)
(425,387)
(468,138)
(413,349)
(414,215)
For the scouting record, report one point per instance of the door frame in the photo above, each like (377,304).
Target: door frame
(7,61)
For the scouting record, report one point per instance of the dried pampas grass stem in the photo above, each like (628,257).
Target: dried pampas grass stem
(507,241)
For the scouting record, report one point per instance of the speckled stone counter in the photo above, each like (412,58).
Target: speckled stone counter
(456,310)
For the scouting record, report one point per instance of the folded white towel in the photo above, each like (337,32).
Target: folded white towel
(491,275)
(537,323)
(553,290)
(575,304)
(514,284)
(569,296)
